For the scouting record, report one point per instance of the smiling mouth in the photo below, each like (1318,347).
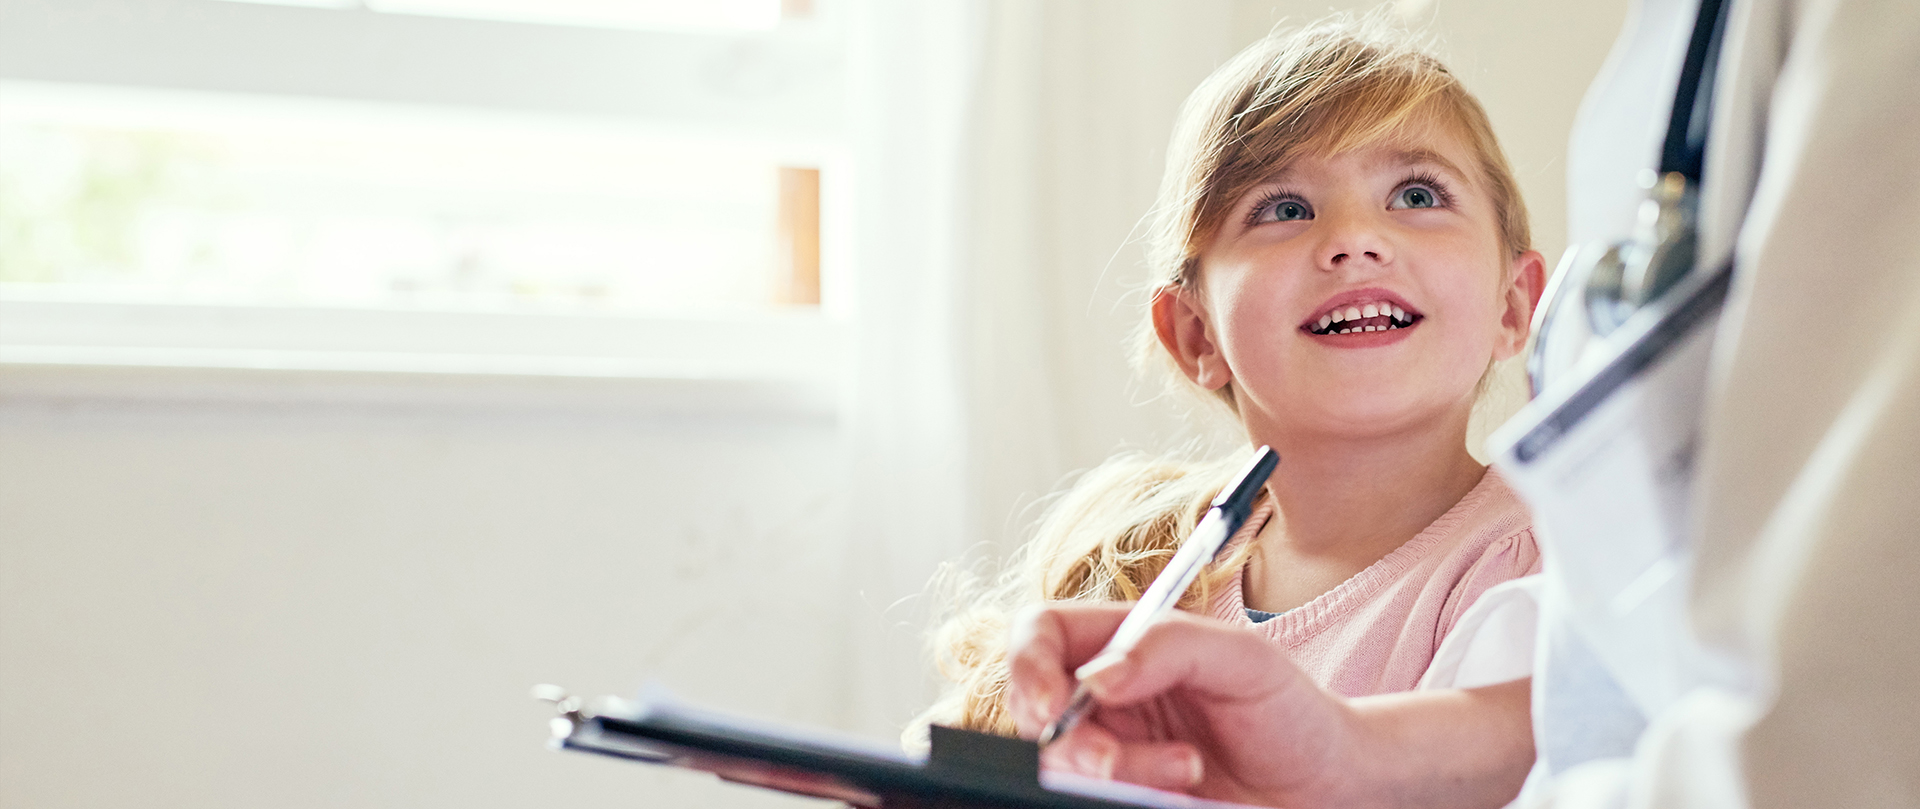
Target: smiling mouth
(1363,318)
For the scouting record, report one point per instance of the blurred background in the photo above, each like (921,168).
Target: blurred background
(365,362)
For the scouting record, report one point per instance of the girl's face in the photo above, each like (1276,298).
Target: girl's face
(1356,295)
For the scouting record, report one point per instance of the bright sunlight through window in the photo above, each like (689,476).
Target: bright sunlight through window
(659,15)
(167,196)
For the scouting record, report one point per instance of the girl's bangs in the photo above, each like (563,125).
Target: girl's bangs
(1368,111)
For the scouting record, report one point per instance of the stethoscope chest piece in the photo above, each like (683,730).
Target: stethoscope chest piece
(1613,281)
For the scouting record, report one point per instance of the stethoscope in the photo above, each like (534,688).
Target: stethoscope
(1597,287)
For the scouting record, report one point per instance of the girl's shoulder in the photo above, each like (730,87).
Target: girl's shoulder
(1493,544)
(1488,532)
(1490,514)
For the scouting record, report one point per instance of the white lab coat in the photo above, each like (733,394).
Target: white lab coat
(1805,568)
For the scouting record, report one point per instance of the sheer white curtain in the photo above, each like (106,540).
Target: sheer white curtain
(912,65)
(1011,148)
(1074,106)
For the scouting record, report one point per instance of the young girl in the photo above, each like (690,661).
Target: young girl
(1341,257)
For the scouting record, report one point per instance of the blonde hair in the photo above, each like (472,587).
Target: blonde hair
(1326,88)
(1104,540)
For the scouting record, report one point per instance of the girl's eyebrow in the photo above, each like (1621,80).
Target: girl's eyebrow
(1396,158)
(1417,157)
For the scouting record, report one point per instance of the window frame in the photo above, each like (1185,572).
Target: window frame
(789,359)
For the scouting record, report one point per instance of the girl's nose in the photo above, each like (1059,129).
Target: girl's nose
(1370,255)
(1353,241)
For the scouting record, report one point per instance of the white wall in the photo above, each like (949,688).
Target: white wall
(219,605)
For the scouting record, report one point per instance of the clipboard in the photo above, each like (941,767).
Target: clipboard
(964,769)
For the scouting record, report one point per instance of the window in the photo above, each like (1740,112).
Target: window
(739,15)
(396,183)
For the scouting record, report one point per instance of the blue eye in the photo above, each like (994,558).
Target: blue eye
(1416,196)
(1290,210)
(1282,208)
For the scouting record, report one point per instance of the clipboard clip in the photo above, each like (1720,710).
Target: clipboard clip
(984,755)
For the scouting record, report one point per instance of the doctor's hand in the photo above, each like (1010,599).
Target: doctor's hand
(1196,707)
(1218,712)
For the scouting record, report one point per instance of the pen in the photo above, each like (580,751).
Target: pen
(1229,511)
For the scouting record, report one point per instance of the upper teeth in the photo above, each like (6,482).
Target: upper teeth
(1398,315)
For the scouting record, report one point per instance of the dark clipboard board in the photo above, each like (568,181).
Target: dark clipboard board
(966,769)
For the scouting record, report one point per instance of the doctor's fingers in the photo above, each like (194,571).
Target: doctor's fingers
(1213,665)
(1045,644)
(1093,751)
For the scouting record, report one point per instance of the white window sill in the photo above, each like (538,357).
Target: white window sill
(770,363)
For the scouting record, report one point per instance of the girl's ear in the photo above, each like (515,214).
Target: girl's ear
(1183,330)
(1522,296)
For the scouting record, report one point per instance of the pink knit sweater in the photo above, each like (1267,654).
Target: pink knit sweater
(1377,632)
